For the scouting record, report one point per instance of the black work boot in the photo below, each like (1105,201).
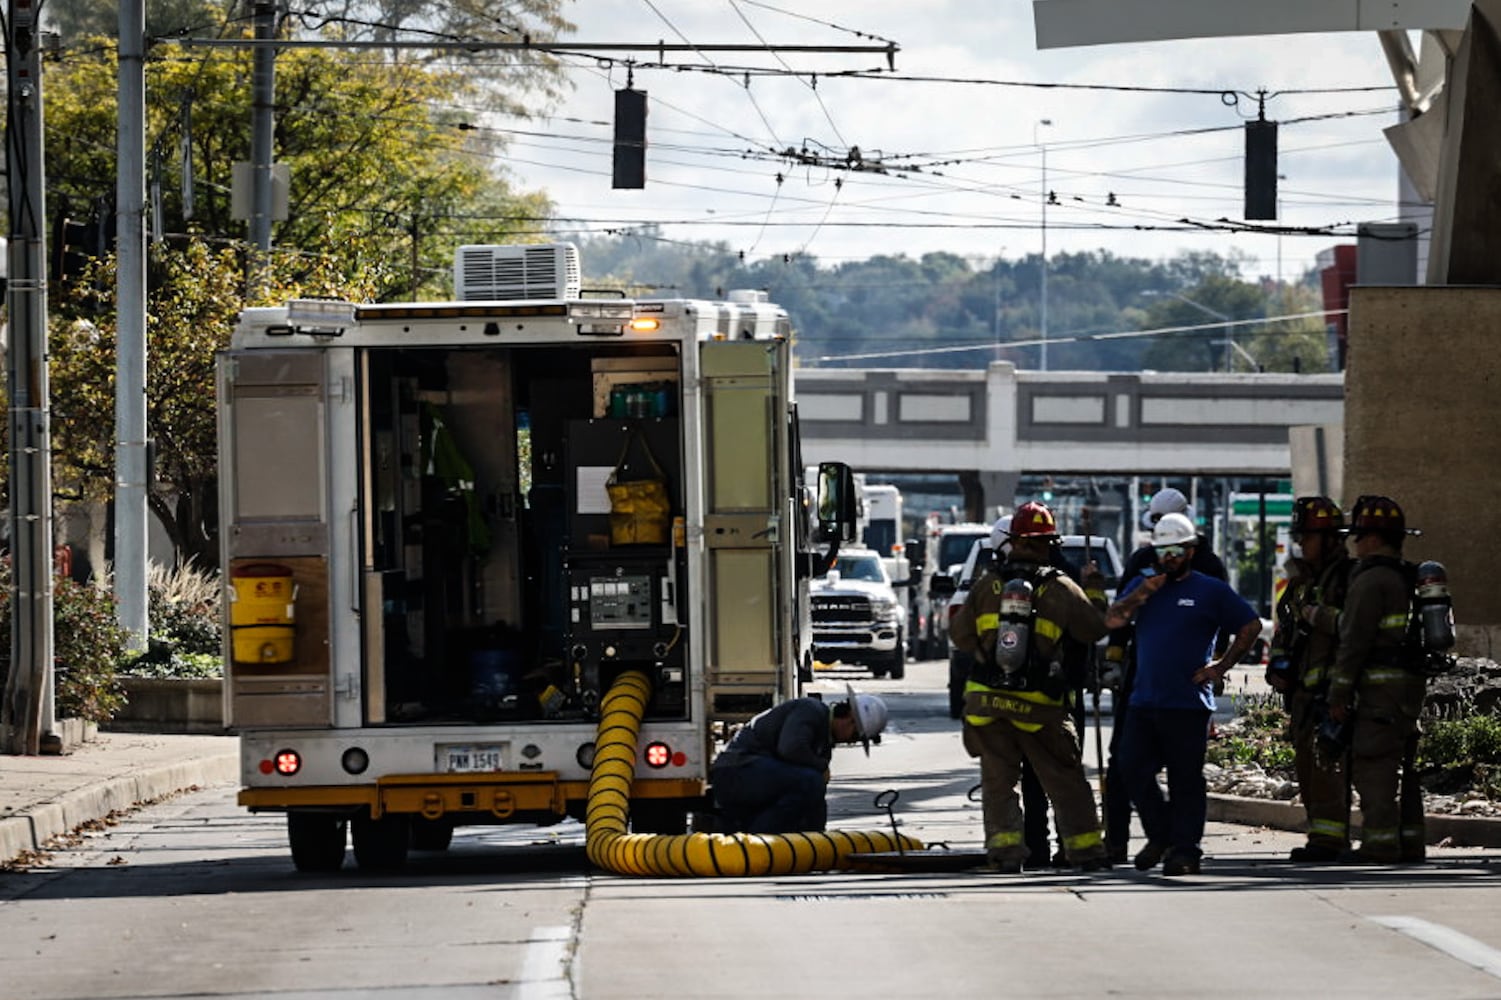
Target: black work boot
(1147,857)
(1180,864)
(1313,854)
(997,861)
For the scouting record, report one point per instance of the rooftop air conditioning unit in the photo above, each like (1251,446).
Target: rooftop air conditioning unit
(541,271)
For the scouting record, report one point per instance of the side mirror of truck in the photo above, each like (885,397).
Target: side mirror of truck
(941,585)
(916,555)
(836,503)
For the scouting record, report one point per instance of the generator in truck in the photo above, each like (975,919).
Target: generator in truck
(447,527)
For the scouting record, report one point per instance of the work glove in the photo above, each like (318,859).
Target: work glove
(1111,668)
(1279,671)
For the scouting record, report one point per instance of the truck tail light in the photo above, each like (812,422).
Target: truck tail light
(657,754)
(287,762)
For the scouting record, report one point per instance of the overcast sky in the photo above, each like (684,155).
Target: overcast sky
(977,148)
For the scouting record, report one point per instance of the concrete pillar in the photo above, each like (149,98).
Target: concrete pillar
(1420,427)
(995,489)
(1466,245)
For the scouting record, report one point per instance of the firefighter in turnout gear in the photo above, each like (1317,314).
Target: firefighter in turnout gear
(1373,685)
(1303,646)
(1015,622)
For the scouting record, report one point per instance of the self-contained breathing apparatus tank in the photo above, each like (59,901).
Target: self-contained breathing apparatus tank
(1013,635)
(1434,606)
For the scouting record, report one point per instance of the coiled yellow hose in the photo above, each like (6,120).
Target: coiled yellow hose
(701,854)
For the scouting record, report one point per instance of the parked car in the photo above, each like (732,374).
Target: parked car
(1102,550)
(943,555)
(857,618)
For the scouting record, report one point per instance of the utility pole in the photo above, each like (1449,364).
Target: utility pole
(996,276)
(1043,278)
(415,232)
(28,709)
(262,134)
(130,299)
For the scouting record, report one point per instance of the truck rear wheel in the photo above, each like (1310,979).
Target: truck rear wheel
(317,841)
(431,834)
(380,844)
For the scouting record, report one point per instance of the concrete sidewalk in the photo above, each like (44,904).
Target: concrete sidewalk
(44,797)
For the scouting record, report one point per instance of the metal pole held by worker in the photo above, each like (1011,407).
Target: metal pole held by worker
(1099,738)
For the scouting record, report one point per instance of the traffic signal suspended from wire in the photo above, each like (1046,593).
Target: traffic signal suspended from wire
(630,139)
(1261,166)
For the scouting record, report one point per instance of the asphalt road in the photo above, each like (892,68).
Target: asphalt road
(194,897)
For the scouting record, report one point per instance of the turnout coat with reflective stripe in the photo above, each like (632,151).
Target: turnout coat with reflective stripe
(1371,628)
(1060,608)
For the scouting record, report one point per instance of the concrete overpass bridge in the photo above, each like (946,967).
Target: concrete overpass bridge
(991,427)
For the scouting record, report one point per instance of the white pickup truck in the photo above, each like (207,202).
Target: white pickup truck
(857,617)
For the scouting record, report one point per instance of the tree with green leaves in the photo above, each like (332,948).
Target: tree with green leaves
(79,19)
(195,295)
(386,175)
(381,167)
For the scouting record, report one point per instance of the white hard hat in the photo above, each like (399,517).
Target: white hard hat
(869,713)
(1174,529)
(1000,531)
(1167,500)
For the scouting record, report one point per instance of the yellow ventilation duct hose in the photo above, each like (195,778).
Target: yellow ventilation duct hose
(609,846)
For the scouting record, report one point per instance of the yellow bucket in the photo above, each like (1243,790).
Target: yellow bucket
(262,613)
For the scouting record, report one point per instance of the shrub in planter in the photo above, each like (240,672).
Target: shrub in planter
(87,646)
(1257,735)
(183,611)
(1459,754)
(183,606)
(161,662)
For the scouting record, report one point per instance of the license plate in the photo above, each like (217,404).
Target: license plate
(456,759)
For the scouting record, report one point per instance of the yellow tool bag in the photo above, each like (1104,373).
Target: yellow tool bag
(640,510)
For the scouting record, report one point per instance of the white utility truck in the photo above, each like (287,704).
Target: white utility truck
(448,526)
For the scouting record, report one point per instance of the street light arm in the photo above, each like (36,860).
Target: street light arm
(1153,293)
(1229,335)
(1243,352)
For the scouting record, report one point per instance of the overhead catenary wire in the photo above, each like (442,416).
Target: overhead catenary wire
(812,84)
(1153,216)
(1084,337)
(780,204)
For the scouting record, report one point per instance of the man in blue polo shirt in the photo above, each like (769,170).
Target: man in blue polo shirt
(1178,612)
